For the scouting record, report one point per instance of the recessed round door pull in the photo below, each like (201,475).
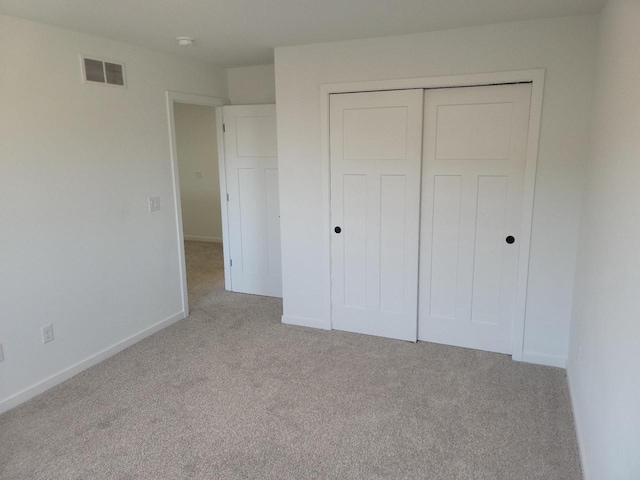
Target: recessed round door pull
(337,229)
(510,239)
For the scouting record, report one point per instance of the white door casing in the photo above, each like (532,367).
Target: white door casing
(474,155)
(251,163)
(375,149)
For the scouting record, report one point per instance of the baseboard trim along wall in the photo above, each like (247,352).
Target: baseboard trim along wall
(545,359)
(529,357)
(306,322)
(196,238)
(44,385)
(576,423)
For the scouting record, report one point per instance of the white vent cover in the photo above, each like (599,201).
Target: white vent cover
(102,71)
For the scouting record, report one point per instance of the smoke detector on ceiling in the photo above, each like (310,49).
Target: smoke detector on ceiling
(185,41)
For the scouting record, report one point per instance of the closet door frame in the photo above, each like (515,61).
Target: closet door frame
(536,78)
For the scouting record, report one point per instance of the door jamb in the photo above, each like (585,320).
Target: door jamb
(171,98)
(224,202)
(536,78)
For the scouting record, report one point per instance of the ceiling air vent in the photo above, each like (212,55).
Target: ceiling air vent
(101,71)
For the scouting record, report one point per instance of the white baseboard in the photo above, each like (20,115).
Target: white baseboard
(545,359)
(576,421)
(65,374)
(306,322)
(196,238)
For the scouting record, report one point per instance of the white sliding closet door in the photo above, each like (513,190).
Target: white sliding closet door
(475,142)
(251,163)
(376,141)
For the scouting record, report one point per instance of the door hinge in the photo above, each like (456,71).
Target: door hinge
(227,197)
(224,128)
(230,262)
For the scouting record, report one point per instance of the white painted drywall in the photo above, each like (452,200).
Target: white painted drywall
(197,148)
(604,365)
(254,85)
(563,46)
(78,161)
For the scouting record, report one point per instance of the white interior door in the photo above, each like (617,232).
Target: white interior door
(251,162)
(375,200)
(475,142)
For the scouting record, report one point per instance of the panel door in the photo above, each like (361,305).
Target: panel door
(475,142)
(251,162)
(375,141)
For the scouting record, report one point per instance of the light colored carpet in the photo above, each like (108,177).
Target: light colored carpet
(231,393)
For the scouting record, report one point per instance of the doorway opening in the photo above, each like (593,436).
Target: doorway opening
(198,192)
(225,178)
(200,199)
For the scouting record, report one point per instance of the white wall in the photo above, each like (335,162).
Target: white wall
(604,374)
(564,46)
(197,146)
(252,85)
(78,246)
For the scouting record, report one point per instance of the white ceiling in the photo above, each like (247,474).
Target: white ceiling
(244,32)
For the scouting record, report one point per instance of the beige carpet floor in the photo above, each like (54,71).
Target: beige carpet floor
(231,393)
